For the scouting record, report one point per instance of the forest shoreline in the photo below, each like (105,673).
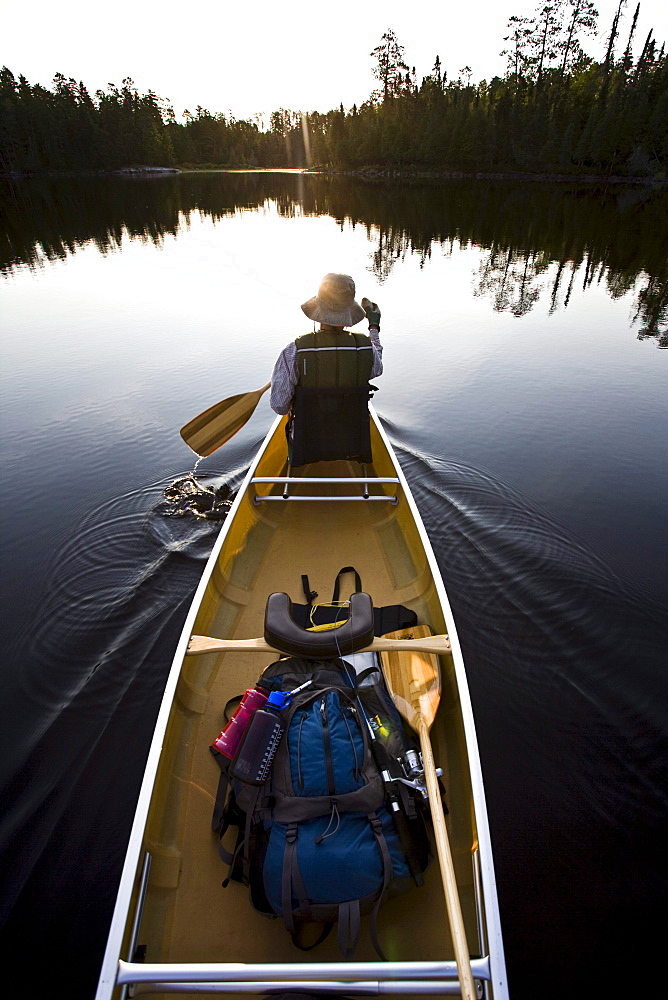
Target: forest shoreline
(556,117)
(372,173)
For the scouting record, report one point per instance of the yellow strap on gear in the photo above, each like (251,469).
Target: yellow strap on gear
(327,625)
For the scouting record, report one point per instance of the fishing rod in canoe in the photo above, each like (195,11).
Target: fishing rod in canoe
(212,428)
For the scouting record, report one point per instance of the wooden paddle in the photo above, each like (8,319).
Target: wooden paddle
(212,428)
(414,681)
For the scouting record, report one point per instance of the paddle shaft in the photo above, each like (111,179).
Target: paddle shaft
(204,644)
(446,865)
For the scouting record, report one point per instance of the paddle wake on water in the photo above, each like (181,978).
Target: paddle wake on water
(549,638)
(122,570)
(563,660)
(190,497)
(92,675)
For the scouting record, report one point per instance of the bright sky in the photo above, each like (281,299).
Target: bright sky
(260,55)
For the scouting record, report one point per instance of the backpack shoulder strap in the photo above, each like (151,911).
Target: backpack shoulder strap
(377,828)
(227,812)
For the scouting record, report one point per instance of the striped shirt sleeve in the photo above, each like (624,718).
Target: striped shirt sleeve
(377,367)
(284,379)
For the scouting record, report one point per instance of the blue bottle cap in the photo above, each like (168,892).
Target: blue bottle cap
(279,699)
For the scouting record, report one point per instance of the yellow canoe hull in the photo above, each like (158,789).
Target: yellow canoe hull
(184,916)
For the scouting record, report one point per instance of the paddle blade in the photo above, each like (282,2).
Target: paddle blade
(413,679)
(210,430)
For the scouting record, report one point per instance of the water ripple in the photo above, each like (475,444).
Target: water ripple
(95,665)
(111,588)
(558,652)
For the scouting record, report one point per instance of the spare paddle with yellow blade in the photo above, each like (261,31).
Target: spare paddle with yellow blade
(414,682)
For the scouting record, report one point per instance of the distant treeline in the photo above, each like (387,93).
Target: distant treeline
(555,111)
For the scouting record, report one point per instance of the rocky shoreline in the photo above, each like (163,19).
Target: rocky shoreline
(110,172)
(366,173)
(384,173)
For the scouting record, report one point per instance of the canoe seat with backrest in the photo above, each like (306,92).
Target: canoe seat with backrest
(329,424)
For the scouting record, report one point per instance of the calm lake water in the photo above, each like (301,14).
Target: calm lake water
(525,393)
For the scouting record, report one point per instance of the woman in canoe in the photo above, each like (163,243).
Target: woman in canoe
(322,378)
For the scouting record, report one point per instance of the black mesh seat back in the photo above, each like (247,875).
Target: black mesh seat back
(331,424)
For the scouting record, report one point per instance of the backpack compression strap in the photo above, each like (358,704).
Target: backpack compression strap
(350,923)
(387,875)
(349,918)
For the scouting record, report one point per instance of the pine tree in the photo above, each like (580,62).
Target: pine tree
(545,37)
(519,35)
(582,19)
(390,65)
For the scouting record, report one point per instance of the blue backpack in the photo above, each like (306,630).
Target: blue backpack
(333,832)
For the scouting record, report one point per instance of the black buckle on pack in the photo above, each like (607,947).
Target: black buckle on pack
(308,593)
(376,825)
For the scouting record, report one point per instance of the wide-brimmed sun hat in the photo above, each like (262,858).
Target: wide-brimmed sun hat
(335,302)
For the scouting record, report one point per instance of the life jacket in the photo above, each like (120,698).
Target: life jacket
(330,412)
(334,358)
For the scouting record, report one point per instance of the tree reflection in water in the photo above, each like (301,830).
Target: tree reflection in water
(538,237)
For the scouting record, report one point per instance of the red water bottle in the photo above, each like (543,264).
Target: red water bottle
(228,741)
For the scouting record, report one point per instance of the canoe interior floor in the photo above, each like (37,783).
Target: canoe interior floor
(189,917)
